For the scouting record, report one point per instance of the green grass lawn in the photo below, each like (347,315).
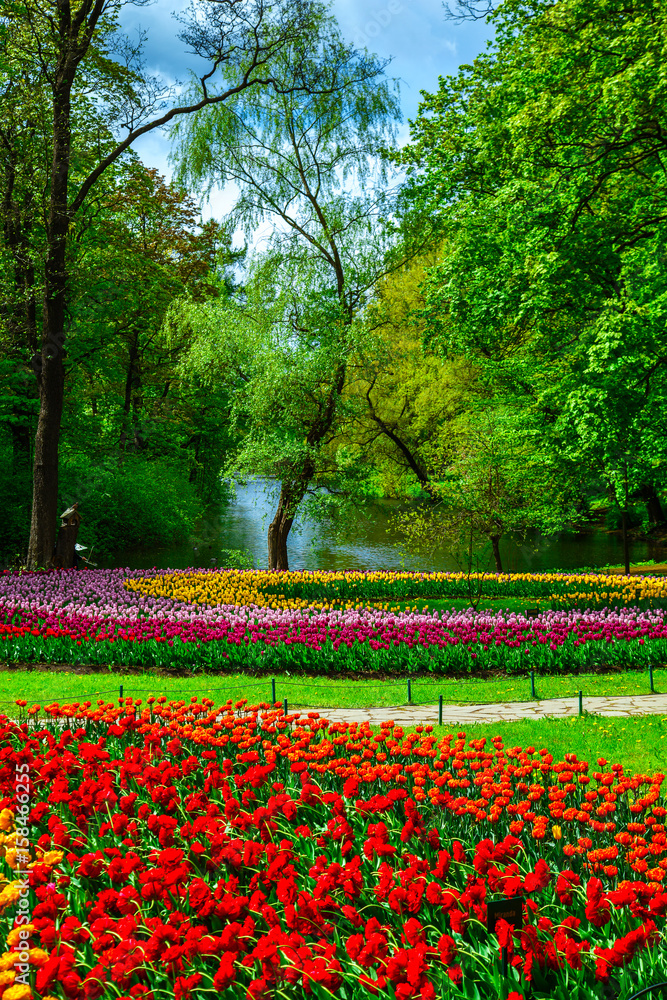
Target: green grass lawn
(639,743)
(43,687)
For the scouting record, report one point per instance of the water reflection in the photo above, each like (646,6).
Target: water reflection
(243,523)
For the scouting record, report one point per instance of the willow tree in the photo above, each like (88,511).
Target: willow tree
(308,161)
(70,50)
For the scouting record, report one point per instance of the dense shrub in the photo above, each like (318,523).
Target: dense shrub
(138,503)
(237,559)
(613,520)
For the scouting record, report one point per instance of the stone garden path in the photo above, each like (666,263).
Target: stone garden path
(466,715)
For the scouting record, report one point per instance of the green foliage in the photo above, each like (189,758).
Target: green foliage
(237,559)
(400,397)
(138,503)
(74,96)
(544,164)
(15,499)
(613,519)
(303,144)
(540,306)
(493,477)
(278,384)
(18,407)
(149,249)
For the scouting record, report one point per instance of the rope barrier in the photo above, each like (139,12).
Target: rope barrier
(428,689)
(301,683)
(309,703)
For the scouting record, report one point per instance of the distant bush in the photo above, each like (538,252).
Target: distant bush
(236,559)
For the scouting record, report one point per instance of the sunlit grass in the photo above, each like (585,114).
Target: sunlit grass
(639,743)
(43,687)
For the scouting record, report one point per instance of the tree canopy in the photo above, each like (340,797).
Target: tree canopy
(544,162)
(89,98)
(474,323)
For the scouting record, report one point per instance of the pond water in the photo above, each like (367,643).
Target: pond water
(243,522)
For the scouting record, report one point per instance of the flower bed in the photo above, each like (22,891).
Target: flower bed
(95,617)
(324,588)
(181,849)
(320,589)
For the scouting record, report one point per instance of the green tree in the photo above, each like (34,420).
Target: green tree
(148,246)
(544,163)
(300,157)
(70,50)
(21,246)
(494,479)
(400,396)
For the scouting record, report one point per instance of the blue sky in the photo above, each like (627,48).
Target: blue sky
(421,43)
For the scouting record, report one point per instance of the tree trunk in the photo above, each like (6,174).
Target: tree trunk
(495,545)
(49,366)
(45,469)
(291,495)
(292,491)
(279,529)
(278,532)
